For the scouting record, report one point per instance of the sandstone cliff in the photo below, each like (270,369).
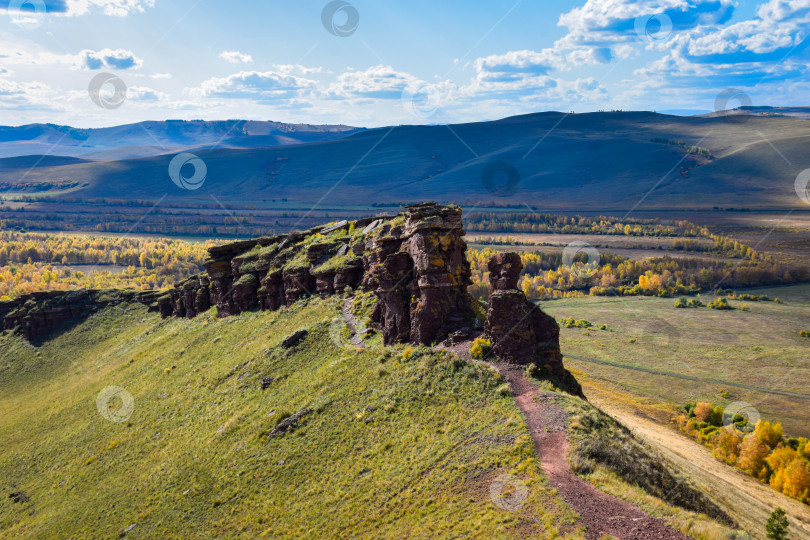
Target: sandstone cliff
(414,262)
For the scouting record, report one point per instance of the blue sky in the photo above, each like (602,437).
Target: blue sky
(384,62)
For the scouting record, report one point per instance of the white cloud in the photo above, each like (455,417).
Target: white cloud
(613,21)
(517,65)
(236,57)
(741,54)
(16,95)
(146,94)
(73,8)
(261,86)
(109,59)
(286,69)
(116,8)
(381,82)
(118,59)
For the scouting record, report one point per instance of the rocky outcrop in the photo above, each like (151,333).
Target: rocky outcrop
(414,262)
(519,331)
(38,314)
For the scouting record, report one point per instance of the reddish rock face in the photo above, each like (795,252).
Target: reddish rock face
(414,262)
(504,270)
(420,274)
(519,330)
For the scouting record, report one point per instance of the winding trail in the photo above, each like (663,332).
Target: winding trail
(602,513)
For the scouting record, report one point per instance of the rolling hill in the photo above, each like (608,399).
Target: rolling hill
(607,161)
(145,139)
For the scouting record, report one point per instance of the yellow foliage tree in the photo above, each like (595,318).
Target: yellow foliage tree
(797,479)
(752,455)
(702,411)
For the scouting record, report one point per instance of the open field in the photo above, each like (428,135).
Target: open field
(759,348)
(633,248)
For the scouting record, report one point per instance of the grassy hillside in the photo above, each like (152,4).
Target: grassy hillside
(391,447)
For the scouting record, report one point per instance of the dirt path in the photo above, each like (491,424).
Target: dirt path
(351,322)
(601,513)
(746,500)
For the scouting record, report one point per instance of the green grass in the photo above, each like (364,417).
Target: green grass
(392,447)
(761,347)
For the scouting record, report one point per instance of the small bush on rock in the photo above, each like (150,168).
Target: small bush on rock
(480,348)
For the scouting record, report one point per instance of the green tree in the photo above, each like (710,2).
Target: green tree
(777,526)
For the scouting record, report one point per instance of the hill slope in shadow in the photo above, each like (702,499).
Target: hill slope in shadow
(597,161)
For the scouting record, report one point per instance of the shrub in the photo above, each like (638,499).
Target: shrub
(721,304)
(716,416)
(681,302)
(480,348)
(570,322)
(695,303)
(503,390)
(804,333)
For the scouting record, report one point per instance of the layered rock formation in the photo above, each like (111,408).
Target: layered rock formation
(414,262)
(519,330)
(38,314)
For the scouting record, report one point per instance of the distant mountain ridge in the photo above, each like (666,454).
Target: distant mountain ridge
(603,161)
(151,138)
